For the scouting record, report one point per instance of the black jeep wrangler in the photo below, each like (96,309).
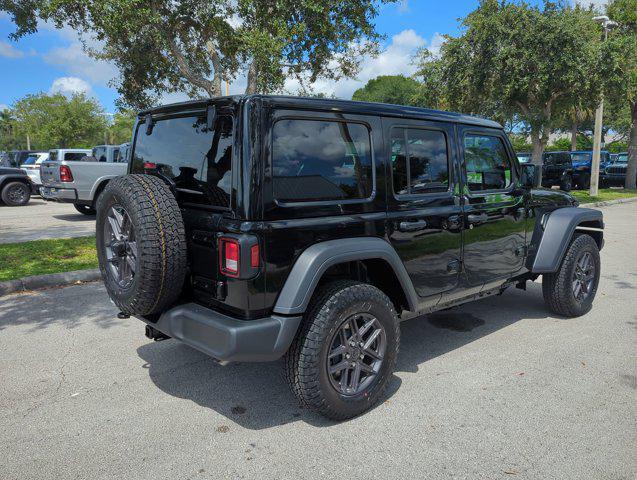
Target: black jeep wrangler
(257,227)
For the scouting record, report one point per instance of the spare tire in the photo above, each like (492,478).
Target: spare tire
(141,244)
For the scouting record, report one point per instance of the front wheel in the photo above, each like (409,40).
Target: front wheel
(340,363)
(16,194)
(566,184)
(585,181)
(571,290)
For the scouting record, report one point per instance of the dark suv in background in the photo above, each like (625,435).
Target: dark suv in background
(256,227)
(557,170)
(582,165)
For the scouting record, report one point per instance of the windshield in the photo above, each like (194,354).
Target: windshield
(581,157)
(622,158)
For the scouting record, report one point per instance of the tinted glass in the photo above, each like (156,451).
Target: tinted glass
(524,158)
(30,160)
(122,155)
(197,159)
(321,160)
(115,154)
(53,155)
(487,163)
(581,157)
(622,158)
(419,161)
(100,154)
(76,156)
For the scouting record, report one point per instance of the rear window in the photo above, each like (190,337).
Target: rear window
(31,159)
(53,155)
(100,154)
(76,156)
(197,159)
(317,160)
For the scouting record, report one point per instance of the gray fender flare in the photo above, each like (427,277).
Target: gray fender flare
(9,177)
(558,231)
(313,262)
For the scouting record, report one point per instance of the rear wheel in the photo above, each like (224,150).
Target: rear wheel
(571,290)
(141,244)
(585,181)
(84,209)
(340,363)
(16,194)
(567,183)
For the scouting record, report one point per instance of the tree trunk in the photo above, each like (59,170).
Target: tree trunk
(574,130)
(251,87)
(631,170)
(539,139)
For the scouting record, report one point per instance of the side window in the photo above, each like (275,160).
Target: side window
(487,163)
(315,160)
(100,154)
(420,161)
(115,154)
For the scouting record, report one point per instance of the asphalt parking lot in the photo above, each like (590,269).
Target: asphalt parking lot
(41,220)
(494,389)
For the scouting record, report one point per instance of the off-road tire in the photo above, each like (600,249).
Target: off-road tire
(85,209)
(305,361)
(8,197)
(557,287)
(161,243)
(566,185)
(584,182)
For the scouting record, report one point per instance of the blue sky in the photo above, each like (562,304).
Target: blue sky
(53,61)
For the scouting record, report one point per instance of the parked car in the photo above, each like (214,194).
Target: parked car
(557,170)
(80,178)
(17,157)
(256,227)
(15,186)
(32,166)
(582,164)
(614,174)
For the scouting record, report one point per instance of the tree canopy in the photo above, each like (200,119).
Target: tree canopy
(396,89)
(192,46)
(55,121)
(620,75)
(515,61)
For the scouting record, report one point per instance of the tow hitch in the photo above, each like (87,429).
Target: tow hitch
(155,334)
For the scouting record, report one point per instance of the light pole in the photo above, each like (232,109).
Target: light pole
(607,24)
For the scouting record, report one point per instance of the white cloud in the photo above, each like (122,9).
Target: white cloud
(70,85)
(396,59)
(403,7)
(9,51)
(74,61)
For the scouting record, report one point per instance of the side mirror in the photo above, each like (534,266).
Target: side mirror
(530,175)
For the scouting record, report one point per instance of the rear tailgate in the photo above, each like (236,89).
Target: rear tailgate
(50,173)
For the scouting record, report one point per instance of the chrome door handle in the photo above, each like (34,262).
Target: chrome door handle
(412,226)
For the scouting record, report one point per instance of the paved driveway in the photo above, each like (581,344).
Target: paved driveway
(497,389)
(40,220)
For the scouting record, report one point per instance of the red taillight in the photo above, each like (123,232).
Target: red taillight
(229,256)
(254,256)
(150,165)
(65,174)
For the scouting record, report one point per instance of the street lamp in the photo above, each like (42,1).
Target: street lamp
(607,24)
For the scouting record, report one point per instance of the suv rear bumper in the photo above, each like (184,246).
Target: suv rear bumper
(225,338)
(59,194)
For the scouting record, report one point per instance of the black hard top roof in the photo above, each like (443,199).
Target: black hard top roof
(332,105)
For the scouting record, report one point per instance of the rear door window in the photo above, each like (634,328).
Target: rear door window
(420,161)
(321,160)
(197,159)
(74,156)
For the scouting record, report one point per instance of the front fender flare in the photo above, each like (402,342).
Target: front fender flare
(313,262)
(558,232)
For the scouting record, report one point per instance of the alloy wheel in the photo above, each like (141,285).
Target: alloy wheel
(120,246)
(583,276)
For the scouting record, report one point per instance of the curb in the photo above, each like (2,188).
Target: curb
(610,202)
(40,282)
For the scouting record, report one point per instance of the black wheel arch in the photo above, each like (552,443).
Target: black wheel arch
(554,232)
(369,259)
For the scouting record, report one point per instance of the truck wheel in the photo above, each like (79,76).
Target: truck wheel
(340,363)
(16,194)
(585,181)
(571,290)
(567,184)
(141,244)
(85,209)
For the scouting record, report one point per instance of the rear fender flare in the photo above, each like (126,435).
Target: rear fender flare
(313,262)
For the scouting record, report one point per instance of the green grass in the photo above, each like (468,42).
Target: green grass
(19,260)
(604,195)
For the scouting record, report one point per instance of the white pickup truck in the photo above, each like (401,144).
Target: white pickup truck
(80,180)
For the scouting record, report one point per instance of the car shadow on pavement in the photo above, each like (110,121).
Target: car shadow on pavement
(255,396)
(75,217)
